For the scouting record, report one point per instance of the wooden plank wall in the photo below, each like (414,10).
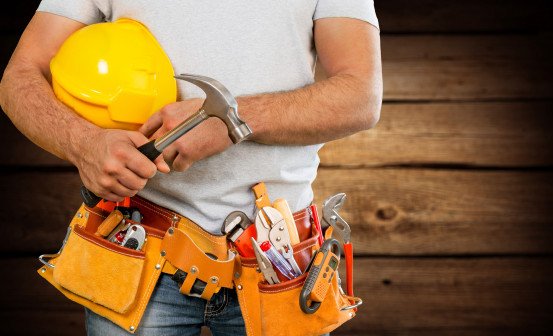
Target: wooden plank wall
(448,197)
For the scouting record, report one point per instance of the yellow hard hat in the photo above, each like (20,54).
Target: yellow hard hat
(114,74)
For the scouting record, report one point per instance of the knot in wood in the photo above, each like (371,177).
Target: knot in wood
(387,213)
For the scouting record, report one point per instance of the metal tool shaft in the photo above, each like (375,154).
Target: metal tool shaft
(170,137)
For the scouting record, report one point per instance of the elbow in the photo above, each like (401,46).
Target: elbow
(370,112)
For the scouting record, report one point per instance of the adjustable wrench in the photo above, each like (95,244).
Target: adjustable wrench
(239,229)
(330,216)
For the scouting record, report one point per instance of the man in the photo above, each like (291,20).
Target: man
(264,52)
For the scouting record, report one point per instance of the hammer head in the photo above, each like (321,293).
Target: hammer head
(220,103)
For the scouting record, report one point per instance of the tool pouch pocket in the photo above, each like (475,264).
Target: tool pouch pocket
(111,280)
(100,271)
(291,320)
(275,310)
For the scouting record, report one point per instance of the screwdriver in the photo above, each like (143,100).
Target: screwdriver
(277,260)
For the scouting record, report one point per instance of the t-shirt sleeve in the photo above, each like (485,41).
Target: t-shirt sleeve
(356,9)
(85,11)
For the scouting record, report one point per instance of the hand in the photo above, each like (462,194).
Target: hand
(111,166)
(208,138)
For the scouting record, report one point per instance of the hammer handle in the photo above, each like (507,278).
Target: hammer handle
(148,149)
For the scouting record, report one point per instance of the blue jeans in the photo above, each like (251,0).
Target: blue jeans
(172,313)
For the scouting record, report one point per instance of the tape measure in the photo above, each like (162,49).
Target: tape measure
(321,270)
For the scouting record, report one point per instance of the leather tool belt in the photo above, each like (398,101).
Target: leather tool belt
(117,282)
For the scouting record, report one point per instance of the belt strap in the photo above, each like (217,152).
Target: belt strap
(183,254)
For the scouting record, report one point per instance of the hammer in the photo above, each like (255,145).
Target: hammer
(219,103)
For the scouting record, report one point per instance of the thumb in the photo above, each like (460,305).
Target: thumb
(137,138)
(162,166)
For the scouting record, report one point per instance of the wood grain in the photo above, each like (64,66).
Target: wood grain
(391,211)
(513,134)
(422,16)
(403,296)
(457,67)
(443,212)
(437,16)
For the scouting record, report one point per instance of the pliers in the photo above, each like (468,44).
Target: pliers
(330,215)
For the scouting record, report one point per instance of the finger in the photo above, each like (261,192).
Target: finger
(116,192)
(169,154)
(140,165)
(181,163)
(162,166)
(151,125)
(131,181)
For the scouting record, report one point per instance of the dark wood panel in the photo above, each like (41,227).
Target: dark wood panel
(391,211)
(21,150)
(465,67)
(15,16)
(489,134)
(428,67)
(400,15)
(37,209)
(453,297)
(462,16)
(421,296)
(419,211)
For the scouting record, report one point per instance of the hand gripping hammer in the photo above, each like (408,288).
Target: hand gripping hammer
(219,102)
(330,215)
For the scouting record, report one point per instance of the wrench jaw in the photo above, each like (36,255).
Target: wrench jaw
(331,217)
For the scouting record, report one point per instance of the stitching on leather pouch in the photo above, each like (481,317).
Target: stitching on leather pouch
(207,235)
(244,308)
(156,210)
(272,291)
(148,293)
(97,214)
(107,247)
(302,214)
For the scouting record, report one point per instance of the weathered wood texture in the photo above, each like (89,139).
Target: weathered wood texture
(512,134)
(438,16)
(392,211)
(480,67)
(420,296)
(399,16)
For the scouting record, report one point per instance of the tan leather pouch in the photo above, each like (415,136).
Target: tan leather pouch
(112,281)
(274,309)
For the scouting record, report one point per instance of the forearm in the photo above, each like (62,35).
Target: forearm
(27,98)
(326,110)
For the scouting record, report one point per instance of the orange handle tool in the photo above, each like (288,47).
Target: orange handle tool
(348,251)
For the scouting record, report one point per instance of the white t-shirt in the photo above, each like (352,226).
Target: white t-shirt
(251,47)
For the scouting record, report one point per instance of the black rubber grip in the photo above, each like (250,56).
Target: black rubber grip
(89,198)
(149,149)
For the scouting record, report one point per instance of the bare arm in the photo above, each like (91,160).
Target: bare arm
(347,102)
(107,160)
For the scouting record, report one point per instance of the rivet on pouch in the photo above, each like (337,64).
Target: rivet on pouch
(131,328)
(79,215)
(239,287)
(42,270)
(214,279)
(236,275)
(86,215)
(158,266)
(170,231)
(163,253)
(350,314)
(193,270)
